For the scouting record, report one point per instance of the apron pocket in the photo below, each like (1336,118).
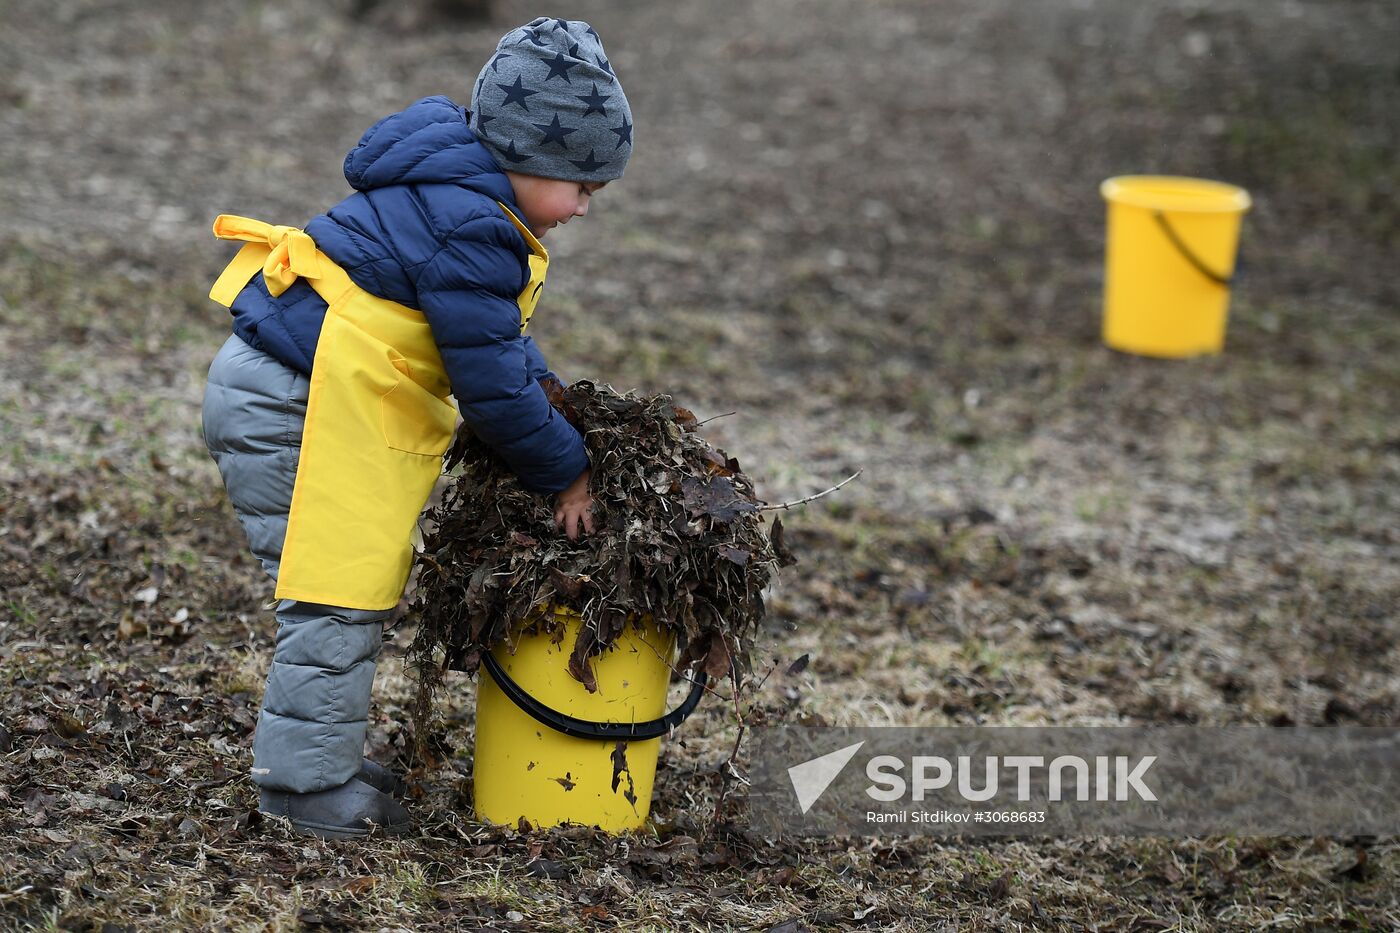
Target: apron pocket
(416,421)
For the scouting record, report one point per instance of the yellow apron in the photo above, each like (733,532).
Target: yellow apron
(378,420)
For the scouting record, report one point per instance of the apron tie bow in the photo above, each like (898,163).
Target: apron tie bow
(284,254)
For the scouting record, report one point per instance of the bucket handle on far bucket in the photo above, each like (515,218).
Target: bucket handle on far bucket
(1186,252)
(587,729)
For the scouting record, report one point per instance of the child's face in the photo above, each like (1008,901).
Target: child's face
(548,202)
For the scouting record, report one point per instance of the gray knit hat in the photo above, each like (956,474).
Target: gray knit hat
(548,103)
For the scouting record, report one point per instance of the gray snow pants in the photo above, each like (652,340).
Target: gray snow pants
(311,732)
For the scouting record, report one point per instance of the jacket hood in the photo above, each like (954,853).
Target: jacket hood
(429,142)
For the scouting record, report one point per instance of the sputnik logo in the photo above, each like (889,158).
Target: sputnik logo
(811,778)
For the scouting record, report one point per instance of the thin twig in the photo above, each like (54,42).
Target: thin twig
(771,668)
(713,417)
(683,675)
(742,721)
(788,505)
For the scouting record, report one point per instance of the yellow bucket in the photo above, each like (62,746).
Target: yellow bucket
(550,752)
(1168,263)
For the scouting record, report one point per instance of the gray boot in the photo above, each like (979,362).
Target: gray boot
(381,778)
(350,811)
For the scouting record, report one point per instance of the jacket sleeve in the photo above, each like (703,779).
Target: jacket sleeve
(534,361)
(467,294)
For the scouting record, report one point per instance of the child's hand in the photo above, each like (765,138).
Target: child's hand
(574,507)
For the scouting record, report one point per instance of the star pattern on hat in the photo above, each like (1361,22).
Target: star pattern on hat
(517,93)
(512,143)
(594,101)
(555,132)
(624,133)
(510,153)
(589,164)
(559,67)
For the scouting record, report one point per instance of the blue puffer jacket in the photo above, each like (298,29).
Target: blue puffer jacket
(423,229)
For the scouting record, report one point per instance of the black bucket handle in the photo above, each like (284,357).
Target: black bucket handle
(587,729)
(1186,252)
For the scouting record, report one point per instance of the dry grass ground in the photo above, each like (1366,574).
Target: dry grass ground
(872,228)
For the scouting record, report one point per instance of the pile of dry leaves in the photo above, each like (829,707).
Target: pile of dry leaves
(678,536)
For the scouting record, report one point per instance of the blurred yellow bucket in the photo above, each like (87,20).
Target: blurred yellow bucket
(1169,260)
(551,752)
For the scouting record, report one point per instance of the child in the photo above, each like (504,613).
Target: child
(327,411)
